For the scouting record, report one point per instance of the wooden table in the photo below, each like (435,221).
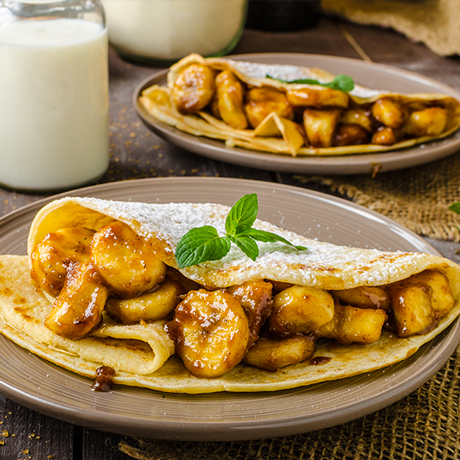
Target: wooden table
(137,153)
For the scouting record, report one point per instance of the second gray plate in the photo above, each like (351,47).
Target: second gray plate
(375,76)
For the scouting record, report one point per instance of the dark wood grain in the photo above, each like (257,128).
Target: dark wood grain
(25,434)
(135,152)
(326,38)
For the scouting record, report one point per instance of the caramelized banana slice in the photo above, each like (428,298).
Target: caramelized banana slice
(364,297)
(357,117)
(53,255)
(125,262)
(210,331)
(261,102)
(389,112)
(78,308)
(300,309)
(256,299)
(384,136)
(320,126)
(193,88)
(442,299)
(428,122)
(351,324)
(412,311)
(419,302)
(230,96)
(307,97)
(352,134)
(272,354)
(152,306)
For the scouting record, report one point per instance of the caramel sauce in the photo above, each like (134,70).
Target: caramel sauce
(104,379)
(319,360)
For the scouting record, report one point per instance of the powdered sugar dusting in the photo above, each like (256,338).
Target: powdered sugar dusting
(292,72)
(283,72)
(169,221)
(324,264)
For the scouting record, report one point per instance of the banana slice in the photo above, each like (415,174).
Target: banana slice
(320,126)
(364,297)
(428,122)
(151,306)
(385,136)
(354,325)
(78,308)
(416,302)
(256,299)
(271,354)
(389,112)
(194,88)
(210,331)
(261,102)
(300,309)
(230,96)
(352,134)
(125,262)
(52,256)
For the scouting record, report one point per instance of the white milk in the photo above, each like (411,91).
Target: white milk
(171,29)
(53,103)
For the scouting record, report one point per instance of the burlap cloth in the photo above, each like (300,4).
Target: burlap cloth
(423,425)
(433,22)
(417,197)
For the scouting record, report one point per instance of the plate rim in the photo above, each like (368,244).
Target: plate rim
(331,165)
(220,430)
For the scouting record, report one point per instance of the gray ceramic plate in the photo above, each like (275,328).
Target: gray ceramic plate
(224,416)
(367,74)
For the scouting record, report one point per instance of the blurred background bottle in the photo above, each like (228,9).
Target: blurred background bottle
(160,32)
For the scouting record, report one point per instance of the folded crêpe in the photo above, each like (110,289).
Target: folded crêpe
(314,120)
(143,354)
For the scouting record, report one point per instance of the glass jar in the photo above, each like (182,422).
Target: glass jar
(53,94)
(160,32)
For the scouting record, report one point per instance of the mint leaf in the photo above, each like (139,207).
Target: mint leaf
(204,243)
(200,245)
(340,82)
(455,207)
(242,215)
(269,237)
(247,245)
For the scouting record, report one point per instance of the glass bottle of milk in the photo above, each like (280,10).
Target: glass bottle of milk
(53,94)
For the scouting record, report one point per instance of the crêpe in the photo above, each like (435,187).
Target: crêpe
(143,354)
(277,134)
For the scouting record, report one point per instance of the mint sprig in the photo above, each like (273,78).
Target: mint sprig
(202,244)
(341,82)
(455,207)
